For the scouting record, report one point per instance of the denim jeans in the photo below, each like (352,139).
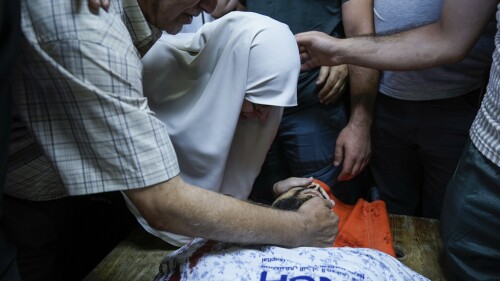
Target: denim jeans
(303,147)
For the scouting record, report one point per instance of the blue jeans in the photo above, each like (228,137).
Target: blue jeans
(304,147)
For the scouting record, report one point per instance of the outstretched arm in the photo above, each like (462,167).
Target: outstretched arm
(178,207)
(445,41)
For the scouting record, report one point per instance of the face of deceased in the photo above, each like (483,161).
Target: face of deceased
(296,196)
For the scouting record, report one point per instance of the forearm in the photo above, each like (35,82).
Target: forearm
(357,16)
(403,51)
(363,90)
(177,207)
(445,41)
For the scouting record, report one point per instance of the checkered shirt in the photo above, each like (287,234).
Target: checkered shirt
(485,131)
(81,122)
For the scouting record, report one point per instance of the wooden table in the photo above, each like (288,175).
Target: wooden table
(418,245)
(138,257)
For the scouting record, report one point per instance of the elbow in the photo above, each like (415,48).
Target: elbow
(156,222)
(147,202)
(437,56)
(456,46)
(158,215)
(457,53)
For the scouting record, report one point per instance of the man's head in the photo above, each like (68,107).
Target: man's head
(296,196)
(171,15)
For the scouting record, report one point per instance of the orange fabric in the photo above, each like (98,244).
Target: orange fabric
(364,225)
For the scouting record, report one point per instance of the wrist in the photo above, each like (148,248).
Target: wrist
(360,123)
(360,117)
(292,230)
(341,52)
(299,229)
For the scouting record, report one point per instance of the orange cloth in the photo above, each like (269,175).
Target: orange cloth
(364,225)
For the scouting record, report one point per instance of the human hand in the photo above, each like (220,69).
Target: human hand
(353,150)
(333,81)
(224,7)
(284,185)
(320,223)
(316,49)
(95,5)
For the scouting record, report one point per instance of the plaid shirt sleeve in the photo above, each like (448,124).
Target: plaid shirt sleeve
(78,92)
(143,34)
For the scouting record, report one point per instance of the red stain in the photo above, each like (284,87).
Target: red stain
(195,258)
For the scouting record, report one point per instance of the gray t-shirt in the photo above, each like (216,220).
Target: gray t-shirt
(446,81)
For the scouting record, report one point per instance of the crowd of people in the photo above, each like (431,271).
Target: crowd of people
(102,110)
(327,135)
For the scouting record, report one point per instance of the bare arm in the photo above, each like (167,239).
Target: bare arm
(181,208)
(445,41)
(353,144)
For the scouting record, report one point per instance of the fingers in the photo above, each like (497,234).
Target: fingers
(105,4)
(328,88)
(321,224)
(323,74)
(304,42)
(306,66)
(347,162)
(335,94)
(95,5)
(344,156)
(327,203)
(284,185)
(353,164)
(353,150)
(339,153)
(347,170)
(305,62)
(302,38)
(334,79)
(318,201)
(330,91)
(305,38)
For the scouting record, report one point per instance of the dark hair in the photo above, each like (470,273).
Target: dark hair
(292,202)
